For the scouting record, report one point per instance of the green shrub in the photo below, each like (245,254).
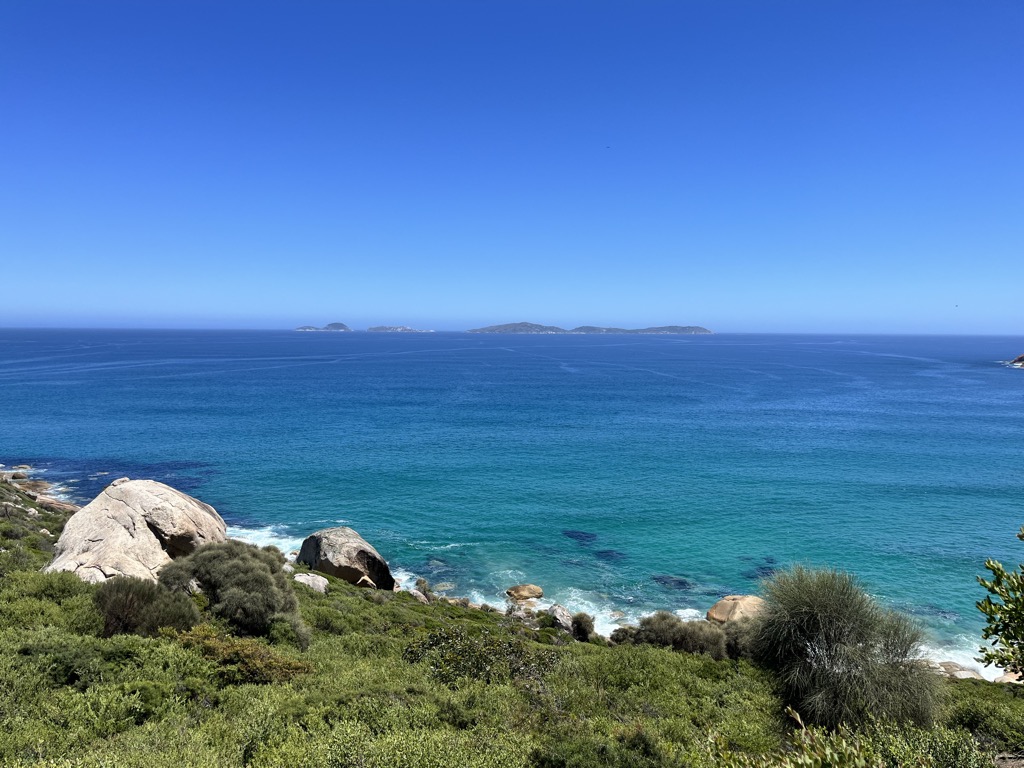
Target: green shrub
(739,638)
(668,630)
(583,627)
(623,635)
(30,599)
(245,585)
(454,654)
(241,659)
(1004,615)
(992,712)
(135,606)
(839,656)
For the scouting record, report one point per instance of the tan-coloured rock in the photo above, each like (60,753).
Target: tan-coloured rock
(134,528)
(1008,677)
(314,581)
(343,553)
(735,607)
(522,592)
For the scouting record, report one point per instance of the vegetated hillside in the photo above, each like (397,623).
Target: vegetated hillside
(387,681)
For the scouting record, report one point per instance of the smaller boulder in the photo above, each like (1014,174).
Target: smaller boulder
(734,608)
(523,592)
(562,617)
(288,568)
(44,532)
(1008,677)
(313,581)
(419,596)
(344,554)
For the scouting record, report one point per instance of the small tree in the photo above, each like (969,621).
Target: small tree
(839,656)
(1005,615)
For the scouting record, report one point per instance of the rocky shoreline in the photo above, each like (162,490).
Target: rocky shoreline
(134,527)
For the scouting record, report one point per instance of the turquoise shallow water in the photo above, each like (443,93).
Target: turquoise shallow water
(621,473)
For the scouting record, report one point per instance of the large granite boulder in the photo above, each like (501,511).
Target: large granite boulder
(134,528)
(734,608)
(343,553)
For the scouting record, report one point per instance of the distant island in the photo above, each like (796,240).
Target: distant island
(1018,362)
(329,327)
(395,329)
(592,329)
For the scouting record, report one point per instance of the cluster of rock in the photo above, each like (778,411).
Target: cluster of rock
(136,527)
(1018,362)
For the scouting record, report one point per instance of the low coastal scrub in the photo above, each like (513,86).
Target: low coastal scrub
(105,676)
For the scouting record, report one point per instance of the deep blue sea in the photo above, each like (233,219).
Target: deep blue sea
(620,473)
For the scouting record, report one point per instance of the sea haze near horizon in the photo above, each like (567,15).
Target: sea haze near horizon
(621,473)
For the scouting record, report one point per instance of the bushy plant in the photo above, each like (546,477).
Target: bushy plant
(245,585)
(876,746)
(739,638)
(135,606)
(667,629)
(453,654)
(1004,614)
(623,635)
(992,712)
(839,656)
(582,627)
(241,659)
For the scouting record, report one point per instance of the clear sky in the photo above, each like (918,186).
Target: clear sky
(747,165)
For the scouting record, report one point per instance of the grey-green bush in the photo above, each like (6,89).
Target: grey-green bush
(138,607)
(667,629)
(582,627)
(839,656)
(245,585)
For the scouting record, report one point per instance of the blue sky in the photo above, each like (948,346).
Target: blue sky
(748,165)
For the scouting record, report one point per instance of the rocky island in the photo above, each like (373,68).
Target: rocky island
(589,329)
(329,327)
(1018,362)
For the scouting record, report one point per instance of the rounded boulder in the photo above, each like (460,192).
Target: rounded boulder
(734,608)
(343,553)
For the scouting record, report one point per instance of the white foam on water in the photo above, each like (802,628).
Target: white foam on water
(406,580)
(267,535)
(965,654)
(690,614)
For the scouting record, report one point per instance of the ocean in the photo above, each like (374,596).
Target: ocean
(623,474)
